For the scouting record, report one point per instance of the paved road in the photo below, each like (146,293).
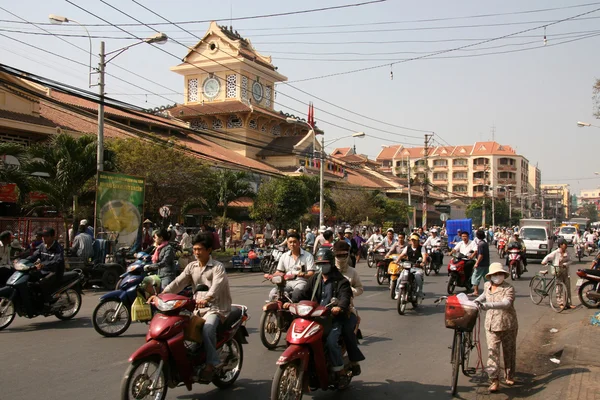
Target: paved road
(407,355)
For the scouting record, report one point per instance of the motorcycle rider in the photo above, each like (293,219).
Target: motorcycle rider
(468,249)
(422,235)
(398,246)
(518,243)
(353,246)
(320,239)
(163,259)
(49,260)
(388,241)
(458,238)
(375,238)
(436,244)
(6,269)
(323,287)
(297,262)
(412,253)
(341,251)
(215,304)
(83,245)
(309,241)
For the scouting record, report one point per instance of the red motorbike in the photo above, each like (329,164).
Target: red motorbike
(456,273)
(588,287)
(501,247)
(275,319)
(167,359)
(515,264)
(304,366)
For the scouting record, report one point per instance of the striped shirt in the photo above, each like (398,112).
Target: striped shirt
(83,246)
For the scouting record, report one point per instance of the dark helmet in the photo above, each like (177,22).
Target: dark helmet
(325,255)
(561,241)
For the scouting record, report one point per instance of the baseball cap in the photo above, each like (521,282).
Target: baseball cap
(414,237)
(348,230)
(390,230)
(433,230)
(322,229)
(83,222)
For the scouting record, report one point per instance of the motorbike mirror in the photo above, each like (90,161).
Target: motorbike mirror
(201,288)
(419,260)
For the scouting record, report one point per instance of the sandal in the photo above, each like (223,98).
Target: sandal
(509,382)
(494,386)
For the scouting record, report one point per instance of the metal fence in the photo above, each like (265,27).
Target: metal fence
(24,228)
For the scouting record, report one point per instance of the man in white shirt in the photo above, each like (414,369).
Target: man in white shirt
(375,238)
(412,253)
(468,249)
(320,239)
(435,242)
(5,264)
(296,262)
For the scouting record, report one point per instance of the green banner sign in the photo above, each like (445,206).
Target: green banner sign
(120,206)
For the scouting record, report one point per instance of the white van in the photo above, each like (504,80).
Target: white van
(538,241)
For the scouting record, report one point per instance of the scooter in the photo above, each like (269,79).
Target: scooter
(456,273)
(579,251)
(304,367)
(275,319)
(501,247)
(19,296)
(373,256)
(515,264)
(169,359)
(588,287)
(407,288)
(393,272)
(382,269)
(431,264)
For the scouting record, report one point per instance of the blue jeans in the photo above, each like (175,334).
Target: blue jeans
(209,335)
(333,347)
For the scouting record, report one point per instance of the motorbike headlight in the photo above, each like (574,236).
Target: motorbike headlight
(453,268)
(301,310)
(168,305)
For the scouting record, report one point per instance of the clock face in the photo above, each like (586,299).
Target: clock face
(211,87)
(257,91)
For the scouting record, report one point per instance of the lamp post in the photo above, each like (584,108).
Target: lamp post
(159,38)
(586,124)
(57,20)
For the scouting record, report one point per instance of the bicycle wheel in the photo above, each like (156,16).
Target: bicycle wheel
(536,289)
(456,360)
(467,347)
(558,297)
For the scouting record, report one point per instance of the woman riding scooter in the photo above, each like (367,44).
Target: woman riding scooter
(163,259)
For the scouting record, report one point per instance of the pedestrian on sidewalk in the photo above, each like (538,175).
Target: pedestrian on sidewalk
(501,325)
(561,260)
(482,263)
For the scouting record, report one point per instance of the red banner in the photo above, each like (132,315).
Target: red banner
(8,193)
(37,196)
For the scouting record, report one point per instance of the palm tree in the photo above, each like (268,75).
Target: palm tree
(61,169)
(11,173)
(231,185)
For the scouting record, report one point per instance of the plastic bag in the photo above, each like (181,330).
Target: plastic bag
(140,311)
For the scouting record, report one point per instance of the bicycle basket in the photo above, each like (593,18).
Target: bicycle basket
(460,316)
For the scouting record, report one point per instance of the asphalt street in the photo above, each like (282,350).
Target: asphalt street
(407,356)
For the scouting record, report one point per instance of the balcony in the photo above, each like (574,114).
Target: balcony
(440,167)
(506,167)
(440,179)
(480,167)
(460,179)
(507,181)
(460,167)
(480,181)
(478,194)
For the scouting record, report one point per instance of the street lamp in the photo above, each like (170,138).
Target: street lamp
(585,124)
(159,38)
(57,20)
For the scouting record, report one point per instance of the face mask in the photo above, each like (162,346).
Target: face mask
(497,279)
(342,263)
(325,269)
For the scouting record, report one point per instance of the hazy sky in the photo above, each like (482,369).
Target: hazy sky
(532,96)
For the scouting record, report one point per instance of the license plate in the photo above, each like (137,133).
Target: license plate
(579,282)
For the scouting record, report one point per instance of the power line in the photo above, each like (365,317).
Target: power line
(447,50)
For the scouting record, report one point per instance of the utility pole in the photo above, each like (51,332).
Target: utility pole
(410,220)
(100,150)
(428,136)
(321,176)
(493,209)
(542,204)
(509,207)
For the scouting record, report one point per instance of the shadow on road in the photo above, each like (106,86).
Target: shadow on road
(243,388)
(82,322)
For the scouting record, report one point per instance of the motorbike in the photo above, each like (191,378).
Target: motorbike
(304,366)
(456,273)
(515,264)
(275,319)
(20,296)
(168,359)
(590,247)
(588,287)
(141,258)
(269,262)
(432,265)
(501,247)
(373,256)
(407,287)
(393,272)
(579,251)
(382,270)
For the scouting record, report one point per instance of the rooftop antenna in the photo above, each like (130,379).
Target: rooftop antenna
(493,129)
(231,15)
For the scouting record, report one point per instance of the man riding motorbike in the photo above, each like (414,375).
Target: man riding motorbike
(341,251)
(398,246)
(412,253)
(436,243)
(49,260)
(518,243)
(468,249)
(375,238)
(297,262)
(6,269)
(388,241)
(322,288)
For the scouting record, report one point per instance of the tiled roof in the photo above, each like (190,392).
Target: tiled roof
(388,153)
(341,152)
(412,152)
(492,148)
(283,145)
(188,111)
(29,119)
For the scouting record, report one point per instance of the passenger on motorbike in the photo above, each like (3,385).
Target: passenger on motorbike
(436,243)
(388,241)
(296,262)
(163,259)
(517,242)
(412,253)
(6,269)
(375,238)
(468,249)
(341,251)
(398,246)
(322,288)
(458,238)
(49,260)
(422,235)
(215,304)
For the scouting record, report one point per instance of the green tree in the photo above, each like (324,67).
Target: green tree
(67,163)
(284,201)
(14,174)
(313,188)
(354,206)
(501,214)
(230,186)
(590,210)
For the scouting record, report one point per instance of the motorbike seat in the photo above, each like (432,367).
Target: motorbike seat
(232,318)
(69,276)
(594,272)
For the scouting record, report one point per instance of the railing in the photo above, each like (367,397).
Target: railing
(507,167)
(480,167)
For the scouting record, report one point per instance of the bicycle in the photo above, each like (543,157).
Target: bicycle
(462,318)
(540,287)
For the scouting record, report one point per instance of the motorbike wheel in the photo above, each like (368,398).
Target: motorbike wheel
(513,272)
(265,265)
(427,268)
(270,332)
(110,278)
(393,284)
(370,260)
(7,312)
(232,358)
(380,276)
(437,269)
(451,285)
(74,300)
(402,301)
(118,284)
(287,382)
(105,312)
(138,378)
(584,289)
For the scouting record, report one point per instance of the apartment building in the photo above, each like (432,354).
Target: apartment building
(466,170)
(557,201)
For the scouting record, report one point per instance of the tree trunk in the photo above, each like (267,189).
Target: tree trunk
(224,227)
